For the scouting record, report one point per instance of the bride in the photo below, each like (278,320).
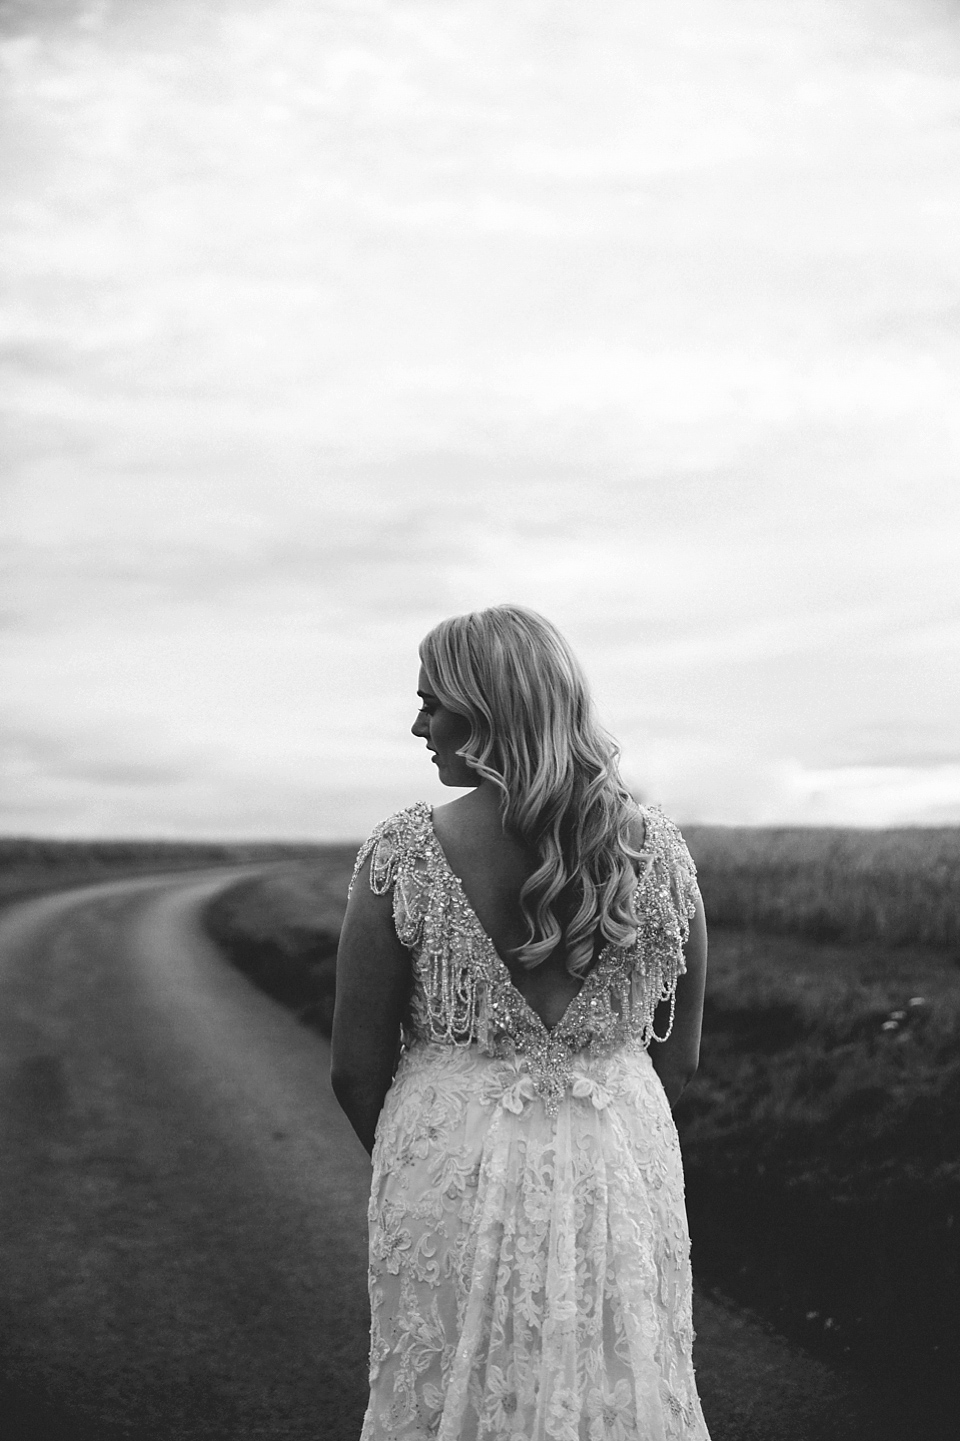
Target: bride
(506,962)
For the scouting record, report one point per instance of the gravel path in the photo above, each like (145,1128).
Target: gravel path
(183,1244)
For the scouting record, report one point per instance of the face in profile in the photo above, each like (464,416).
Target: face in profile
(444,732)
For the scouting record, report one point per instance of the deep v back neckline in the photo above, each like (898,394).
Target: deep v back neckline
(499,963)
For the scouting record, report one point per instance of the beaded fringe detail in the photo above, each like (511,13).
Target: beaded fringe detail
(463,993)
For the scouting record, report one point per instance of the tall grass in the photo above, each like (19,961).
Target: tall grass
(897,887)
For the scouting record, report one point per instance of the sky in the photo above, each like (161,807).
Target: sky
(322,321)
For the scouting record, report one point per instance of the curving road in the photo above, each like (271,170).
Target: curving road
(183,1241)
(185,1248)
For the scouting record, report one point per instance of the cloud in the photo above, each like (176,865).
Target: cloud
(385,314)
(106,757)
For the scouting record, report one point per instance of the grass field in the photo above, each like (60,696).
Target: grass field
(821,1136)
(898,887)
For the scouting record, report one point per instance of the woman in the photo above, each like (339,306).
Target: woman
(506,961)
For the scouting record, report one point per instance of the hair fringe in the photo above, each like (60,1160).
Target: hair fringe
(534,736)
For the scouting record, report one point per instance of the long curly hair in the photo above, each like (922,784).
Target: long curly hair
(533,734)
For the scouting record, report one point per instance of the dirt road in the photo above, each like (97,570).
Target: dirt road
(183,1238)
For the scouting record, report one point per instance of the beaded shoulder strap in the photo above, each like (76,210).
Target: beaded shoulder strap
(666,902)
(393,847)
(677,866)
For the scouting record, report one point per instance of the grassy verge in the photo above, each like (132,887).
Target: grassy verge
(822,1135)
(821,1145)
(281,930)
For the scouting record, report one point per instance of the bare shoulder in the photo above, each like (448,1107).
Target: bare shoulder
(448,818)
(492,864)
(474,823)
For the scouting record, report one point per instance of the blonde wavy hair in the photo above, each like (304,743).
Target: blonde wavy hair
(533,734)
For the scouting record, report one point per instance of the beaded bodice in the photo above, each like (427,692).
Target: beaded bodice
(463,993)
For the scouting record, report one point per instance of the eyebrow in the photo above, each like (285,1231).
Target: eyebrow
(426,695)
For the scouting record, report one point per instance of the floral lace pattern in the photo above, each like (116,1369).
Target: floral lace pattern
(529,1256)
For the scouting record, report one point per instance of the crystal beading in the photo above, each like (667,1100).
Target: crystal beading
(463,993)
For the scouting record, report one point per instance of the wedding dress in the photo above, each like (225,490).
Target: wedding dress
(529,1256)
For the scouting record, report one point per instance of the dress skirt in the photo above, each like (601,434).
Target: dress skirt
(529,1263)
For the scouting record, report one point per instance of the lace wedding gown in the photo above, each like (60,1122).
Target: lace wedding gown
(529,1256)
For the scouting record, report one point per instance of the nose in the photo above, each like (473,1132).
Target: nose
(420,727)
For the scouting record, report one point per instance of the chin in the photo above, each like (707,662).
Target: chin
(458,777)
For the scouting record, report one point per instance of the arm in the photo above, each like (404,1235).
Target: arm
(676,1060)
(373,985)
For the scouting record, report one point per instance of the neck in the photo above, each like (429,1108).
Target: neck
(483,806)
(483,800)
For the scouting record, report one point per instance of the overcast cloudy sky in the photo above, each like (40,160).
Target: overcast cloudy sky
(325,320)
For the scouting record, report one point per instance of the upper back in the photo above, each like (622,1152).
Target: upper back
(464,991)
(493,868)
